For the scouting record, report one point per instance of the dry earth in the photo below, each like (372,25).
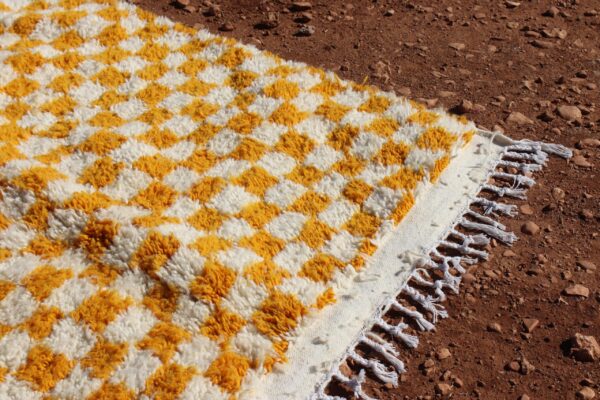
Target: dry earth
(512,65)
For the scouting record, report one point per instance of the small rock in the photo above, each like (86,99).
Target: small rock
(457,46)
(512,4)
(456,381)
(546,116)
(494,327)
(513,366)
(586,393)
(272,21)
(558,193)
(581,161)
(586,215)
(551,12)
(517,118)
(526,367)
(526,209)
(584,348)
(577,290)
(587,265)
(464,107)
(443,389)
(304,17)
(226,27)
(389,13)
(468,278)
(530,324)
(588,142)
(212,11)
(182,3)
(524,397)
(300,6)
(543,44)
(569,113)
(530,228)
(443,353)
(305,30)
(509,253)
(189,9)
(380,70)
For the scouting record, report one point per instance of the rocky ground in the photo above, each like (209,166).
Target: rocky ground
(530,68)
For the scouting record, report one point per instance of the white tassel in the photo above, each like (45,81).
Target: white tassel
(493,231)
(490,207)
(419,318)
(525,168)
(505,191)
(537,157)
(397,331)
(428,303)
(551,148)
(464,249)
(385,349)
(379,370)
(518,180)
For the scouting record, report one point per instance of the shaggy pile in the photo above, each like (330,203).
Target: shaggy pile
(174,205)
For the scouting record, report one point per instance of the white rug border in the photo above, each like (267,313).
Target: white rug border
(324,338)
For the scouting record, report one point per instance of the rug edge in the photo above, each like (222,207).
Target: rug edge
(525,156)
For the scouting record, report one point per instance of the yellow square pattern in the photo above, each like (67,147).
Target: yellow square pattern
(174,203)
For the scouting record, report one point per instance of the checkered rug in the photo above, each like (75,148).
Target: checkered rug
(178,210)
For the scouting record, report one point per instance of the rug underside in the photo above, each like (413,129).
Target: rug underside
(186,217)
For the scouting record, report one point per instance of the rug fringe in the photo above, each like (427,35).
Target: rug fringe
(520,158)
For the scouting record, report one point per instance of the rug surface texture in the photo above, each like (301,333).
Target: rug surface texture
(175,206)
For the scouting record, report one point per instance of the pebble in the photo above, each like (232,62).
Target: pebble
(389,13)
(524,397)
(457,46)
(494,327)
(512,4)
(584,348)
(581,161)
(586,215)
(569,113)
(586,393)
(530,324)
(443,389)
(517,118)
(530,228)
(300,6)
(577,290)
(542,44)
(226,27)
(558,193)
(464,107)
(272,21)
(551,12)
(526,209)
(526,367)
(305,30)
(588,142)
(304,17)
(443,353)
(182,3)
(513,366)
(587,265)
(509,253)
(212,11)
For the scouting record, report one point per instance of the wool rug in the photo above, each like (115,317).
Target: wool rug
(186,217)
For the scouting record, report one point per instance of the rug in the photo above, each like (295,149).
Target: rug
(186,217)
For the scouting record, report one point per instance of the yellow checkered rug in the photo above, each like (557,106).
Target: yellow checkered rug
(174,204)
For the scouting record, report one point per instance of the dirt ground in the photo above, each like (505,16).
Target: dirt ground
(490,59)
